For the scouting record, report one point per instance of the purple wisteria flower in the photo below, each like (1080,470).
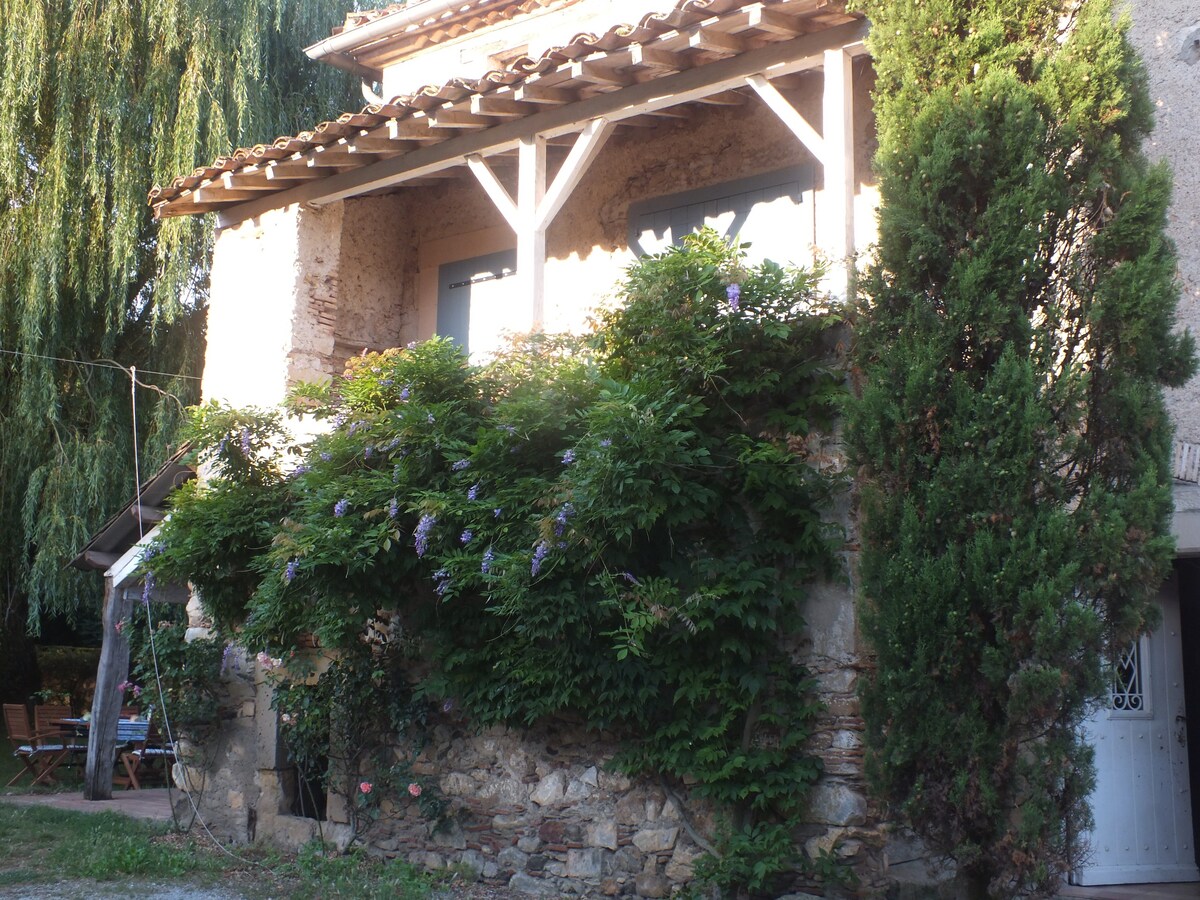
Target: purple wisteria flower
(405,393)
(473,492)
(539,555)
(290,572)
(326,456)
(447,706)
(148,587)
(421,535)
(224,442)
(393,509)
(488,558)
(386,382)
(356,425)
(339,508)
(560,520)
(443,581)
(466,537)
(497,512)
(300,470)
(367,451)
(607,442)
(460,465)
(628,576)
(430,418)
(568,457)
(246,441)
(733,294)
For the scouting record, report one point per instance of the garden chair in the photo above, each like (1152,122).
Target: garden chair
(47,720)
(141,754)
(40,753)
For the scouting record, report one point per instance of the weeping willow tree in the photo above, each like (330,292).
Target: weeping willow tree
(1014,343)
(99,99)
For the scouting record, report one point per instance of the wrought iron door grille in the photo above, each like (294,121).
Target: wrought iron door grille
(1128,689)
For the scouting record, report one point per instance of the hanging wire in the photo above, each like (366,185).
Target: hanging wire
(167,730)
(98,364)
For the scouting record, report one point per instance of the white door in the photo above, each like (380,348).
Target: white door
(1142,803)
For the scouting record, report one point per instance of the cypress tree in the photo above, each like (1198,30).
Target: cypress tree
(98,100)
(1013,341)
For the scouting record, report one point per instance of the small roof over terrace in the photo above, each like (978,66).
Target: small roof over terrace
(697,52)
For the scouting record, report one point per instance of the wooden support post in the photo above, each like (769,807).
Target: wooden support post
(531,240)
(106,705)
(837,231)
(536,205)
(791,117)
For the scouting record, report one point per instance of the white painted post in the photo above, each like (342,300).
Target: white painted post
(531,239)
(837,220)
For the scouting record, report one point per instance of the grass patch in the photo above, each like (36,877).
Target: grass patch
(44,844)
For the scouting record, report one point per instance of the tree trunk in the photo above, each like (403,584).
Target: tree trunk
(106,706)
(19,672)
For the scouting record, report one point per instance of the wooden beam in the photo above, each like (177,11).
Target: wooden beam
(501,107)
(217,193)
(253,180)
(775,22)
(151,515)
(457,118)
(596,72)
(94,559)
(589,144)
(798,54)
(376,143)
(714,41)
(412,129)
(658,58)
(297,170)
(798,125)
(106,702)
(533,92)
(531,240)
(331,155)
(837,105)
(494,189)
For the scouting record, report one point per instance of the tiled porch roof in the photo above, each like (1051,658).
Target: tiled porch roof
(691,36)
(465,18)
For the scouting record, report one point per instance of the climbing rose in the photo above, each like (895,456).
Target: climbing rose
(365,787)
(414,789)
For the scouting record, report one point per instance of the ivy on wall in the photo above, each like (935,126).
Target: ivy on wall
(618,528)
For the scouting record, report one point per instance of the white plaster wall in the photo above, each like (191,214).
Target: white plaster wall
(1167,33)
(272,305)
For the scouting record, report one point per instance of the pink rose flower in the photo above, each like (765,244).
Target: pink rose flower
(365,787)
(414,789)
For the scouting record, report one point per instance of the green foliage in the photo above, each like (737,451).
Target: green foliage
(188,672)
(98,100)
(619,529)
(1013,343)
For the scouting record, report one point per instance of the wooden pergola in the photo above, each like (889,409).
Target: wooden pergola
(716,53)
(117,549)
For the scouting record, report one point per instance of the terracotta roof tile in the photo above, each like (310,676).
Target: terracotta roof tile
(550,69)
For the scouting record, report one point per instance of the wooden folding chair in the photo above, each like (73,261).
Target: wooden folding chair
(47,719)
(144,744)
(40,753)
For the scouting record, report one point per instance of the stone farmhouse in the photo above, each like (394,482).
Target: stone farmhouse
(514,157)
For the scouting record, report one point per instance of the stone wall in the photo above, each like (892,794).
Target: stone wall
(541,810)
(1167,34)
